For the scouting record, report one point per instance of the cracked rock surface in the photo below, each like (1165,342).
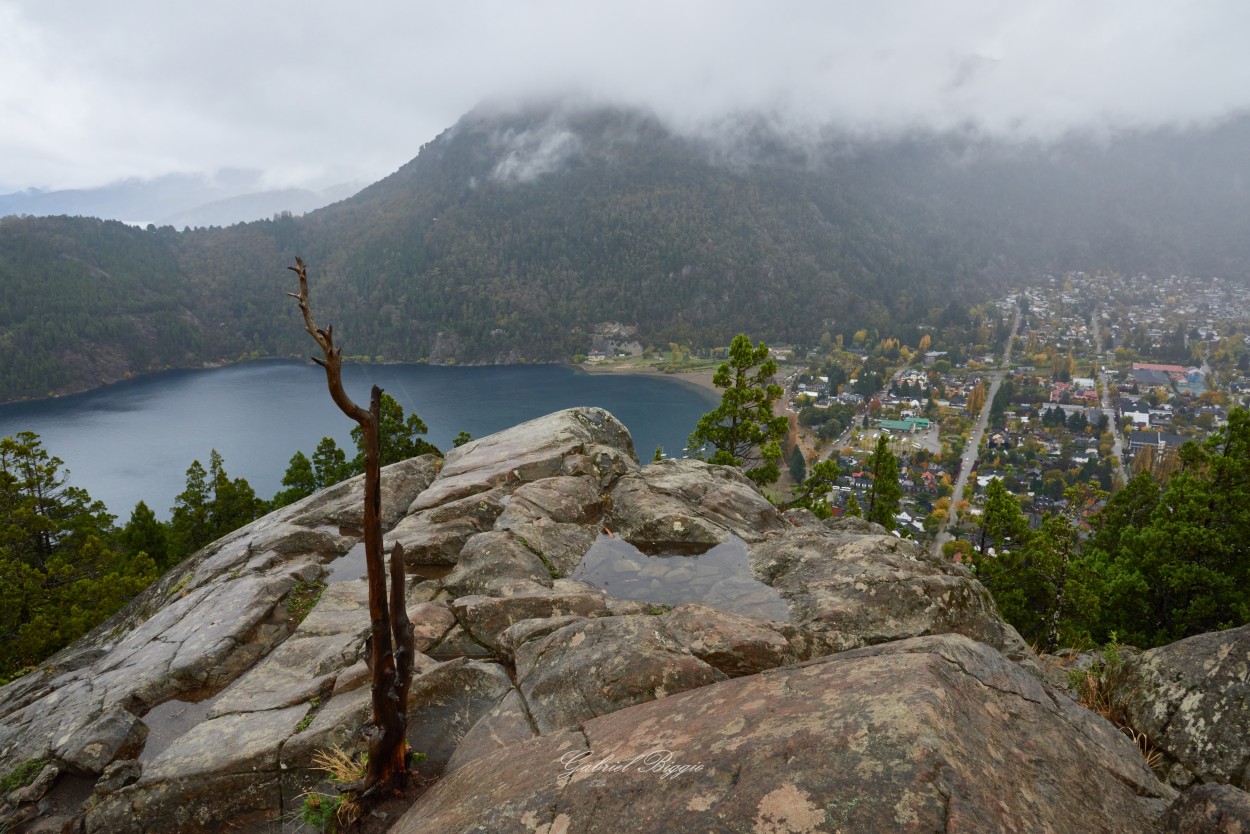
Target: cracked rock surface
(1192,700)
(887,694)
(927,734)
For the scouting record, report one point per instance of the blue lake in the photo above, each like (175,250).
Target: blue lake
(134,440)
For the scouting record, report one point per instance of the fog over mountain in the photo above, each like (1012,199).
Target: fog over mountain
(179,200)
(313,95)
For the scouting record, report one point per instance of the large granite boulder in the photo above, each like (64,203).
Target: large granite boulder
(738,645)
(930,734)
(1192,700)
(552,469)
(598,666)
(498,563)
(1209,809)
(530,452)
(214,620)
(682,504)
(857,586)
(486,618)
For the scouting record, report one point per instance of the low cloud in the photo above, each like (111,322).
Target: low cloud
(313,93)
(530,154)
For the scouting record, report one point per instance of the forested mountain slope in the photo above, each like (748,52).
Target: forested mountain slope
(516,231)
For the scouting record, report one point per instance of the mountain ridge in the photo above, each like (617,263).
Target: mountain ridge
(515,231)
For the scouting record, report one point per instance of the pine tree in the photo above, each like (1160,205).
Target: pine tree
(400,438)
(299,479)
(742,430)
(144,533)
(1002,521)
(798,466)
(330,464)
(812,493)
(883,497)
(190,526)
(59,574)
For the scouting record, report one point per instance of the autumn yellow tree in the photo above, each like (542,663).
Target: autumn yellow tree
(976,398)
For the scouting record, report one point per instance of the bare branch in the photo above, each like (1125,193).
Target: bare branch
(389,647)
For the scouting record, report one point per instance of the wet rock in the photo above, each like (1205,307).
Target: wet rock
(117,733)
(602,665)
(1192,700)
(167,642)
(732,643)
(860,589)
(563,499)
(561,546)
(431,621)
(299,669)
(574,586)
(446,702)
(528,452)
(118,775)
(932,734)
(626,607)
(506,724)
(1209,809)
(460,643)
(343,503)
(683,503)
(38,787)
(435,536)
(181,789)
(497,564)
(486,618)
(605,463)
(338,723)
(801,517)
(523,631)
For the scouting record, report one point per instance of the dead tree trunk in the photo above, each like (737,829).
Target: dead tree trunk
(390,652)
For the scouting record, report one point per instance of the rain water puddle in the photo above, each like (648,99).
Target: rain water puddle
(720,577)
(170,720)
(351,565)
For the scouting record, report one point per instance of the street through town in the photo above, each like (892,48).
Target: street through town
(974,442)
(1108,407)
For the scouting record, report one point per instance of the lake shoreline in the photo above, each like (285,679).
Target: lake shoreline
(701,380)
(697,379)
(133,440)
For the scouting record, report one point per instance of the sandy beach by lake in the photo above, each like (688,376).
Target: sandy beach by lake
(699,379)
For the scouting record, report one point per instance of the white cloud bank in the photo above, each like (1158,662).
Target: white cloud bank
(313,92)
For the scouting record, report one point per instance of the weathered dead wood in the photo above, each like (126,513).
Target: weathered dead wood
(390,647)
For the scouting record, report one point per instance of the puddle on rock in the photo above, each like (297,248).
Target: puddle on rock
(720,577)
(351,565)
(170,720)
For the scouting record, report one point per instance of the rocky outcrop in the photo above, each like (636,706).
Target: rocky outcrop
(930,734)
(599,666)
(685,503)
(855,587)
(1209,809)
(1192,700)
(871,688)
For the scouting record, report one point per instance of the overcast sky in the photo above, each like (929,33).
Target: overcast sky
(316,92)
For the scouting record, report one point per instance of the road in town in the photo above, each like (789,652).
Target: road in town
(1117,449)
(974,442)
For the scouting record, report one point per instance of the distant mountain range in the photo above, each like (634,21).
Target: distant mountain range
(514,233)
(178,200)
